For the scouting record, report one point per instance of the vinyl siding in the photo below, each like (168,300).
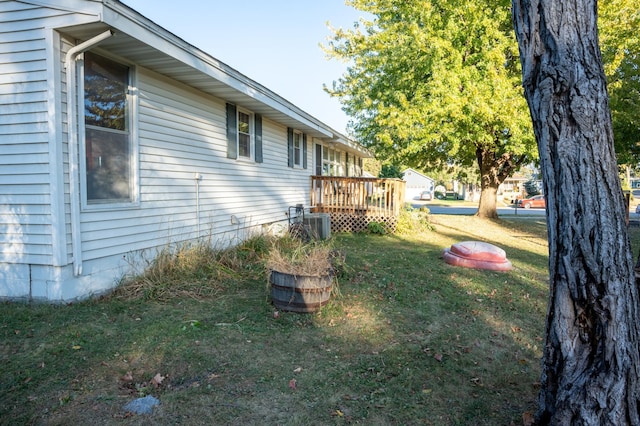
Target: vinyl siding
(31,132)
(25,212)
(182,132)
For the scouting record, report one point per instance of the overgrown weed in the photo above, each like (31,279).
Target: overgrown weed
(195,270)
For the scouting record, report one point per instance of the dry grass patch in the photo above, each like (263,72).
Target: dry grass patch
(292,256)
(195,270)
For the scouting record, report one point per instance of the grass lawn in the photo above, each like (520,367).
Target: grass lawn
(408,340)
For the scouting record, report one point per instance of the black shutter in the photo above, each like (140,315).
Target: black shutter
(232,132)
(318,160)
(346,164)
(304,150)
(290,146)
(258,137)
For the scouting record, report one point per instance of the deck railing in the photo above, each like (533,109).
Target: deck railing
(357,195)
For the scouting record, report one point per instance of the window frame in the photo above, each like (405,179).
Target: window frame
(250,134)
(331,162)
(131,122)
(298,151)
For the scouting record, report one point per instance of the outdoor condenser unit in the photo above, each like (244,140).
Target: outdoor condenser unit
(318,224)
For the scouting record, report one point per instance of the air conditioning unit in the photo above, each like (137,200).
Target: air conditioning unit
(318,224)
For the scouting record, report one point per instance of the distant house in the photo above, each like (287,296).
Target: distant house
(512,188)
(117,137)
(416,184)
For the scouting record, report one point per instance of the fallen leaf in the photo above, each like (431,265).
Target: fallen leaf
(528,418)
(127,377)
(292,384)
(76,347)
(438,357)
(339,413)
(157,380)
(276,314)
(297,370)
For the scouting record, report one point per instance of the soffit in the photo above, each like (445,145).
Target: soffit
(213,77)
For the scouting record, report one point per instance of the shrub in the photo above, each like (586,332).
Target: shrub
(412,221)
(376,228)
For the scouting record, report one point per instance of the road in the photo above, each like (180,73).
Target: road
(436,208)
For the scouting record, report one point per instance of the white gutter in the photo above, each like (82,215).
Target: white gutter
(72,123)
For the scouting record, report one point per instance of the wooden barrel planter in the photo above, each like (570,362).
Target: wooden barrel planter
(299,293)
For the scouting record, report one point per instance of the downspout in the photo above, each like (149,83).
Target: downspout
(72,135)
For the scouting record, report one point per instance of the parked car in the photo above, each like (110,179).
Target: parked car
(537,201)
(426,196)
(638,209)
(448,195)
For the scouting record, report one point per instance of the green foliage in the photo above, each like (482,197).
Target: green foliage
(414,221)
(618,24)
(436,83)
(391,171)
(378,228)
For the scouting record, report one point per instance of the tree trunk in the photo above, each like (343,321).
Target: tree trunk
(487,205)
(494,169)
(591,363)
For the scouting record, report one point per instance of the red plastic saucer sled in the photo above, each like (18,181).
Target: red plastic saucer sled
(478,255)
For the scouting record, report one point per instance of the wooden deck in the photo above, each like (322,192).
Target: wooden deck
(353,202)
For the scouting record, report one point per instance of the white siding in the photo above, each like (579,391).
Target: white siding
(25,213)
(416,184)
(183,133)
(34,200)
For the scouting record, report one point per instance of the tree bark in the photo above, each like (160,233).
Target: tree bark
(494,169)
(591,362)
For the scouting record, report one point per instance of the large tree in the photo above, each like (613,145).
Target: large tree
(436,83)
(591,359)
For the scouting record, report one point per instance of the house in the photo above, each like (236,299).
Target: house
(512,188)
(416,183)
(118,138)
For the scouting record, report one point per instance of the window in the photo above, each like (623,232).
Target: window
(244,134)
(297,149)
(107,144)
(329,161)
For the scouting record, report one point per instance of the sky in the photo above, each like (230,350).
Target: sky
(273,42)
